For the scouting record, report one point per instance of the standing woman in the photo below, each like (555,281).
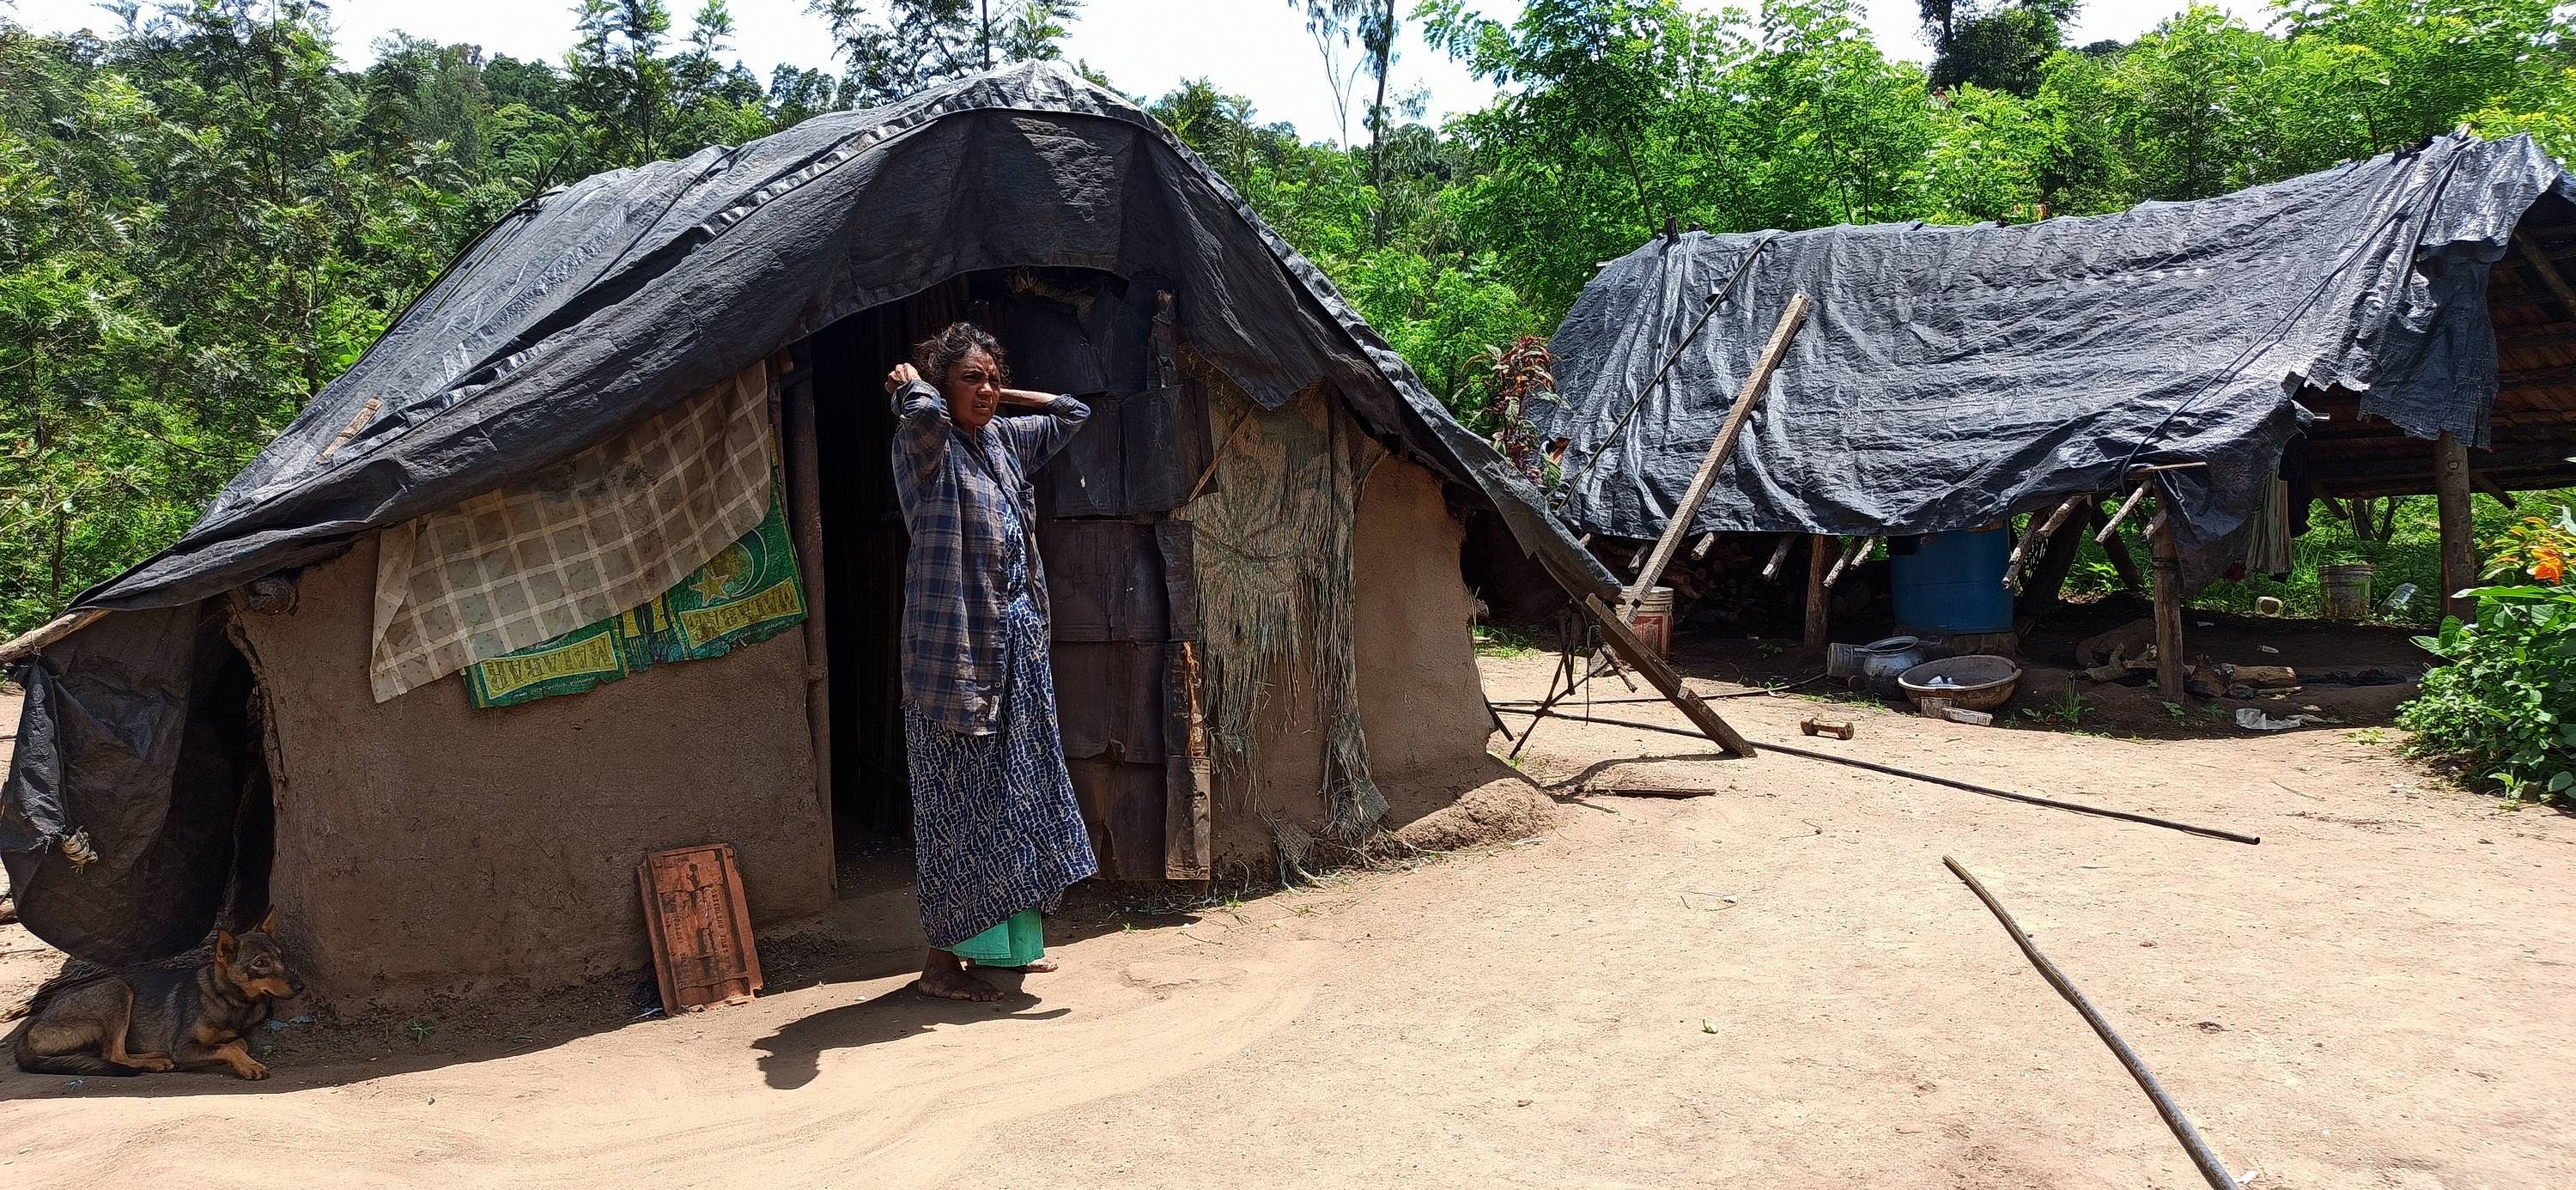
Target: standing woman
(997,835)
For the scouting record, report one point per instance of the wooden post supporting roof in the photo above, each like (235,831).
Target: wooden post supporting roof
(1820,551)
(2168,610)
(2459,546)
(805,528)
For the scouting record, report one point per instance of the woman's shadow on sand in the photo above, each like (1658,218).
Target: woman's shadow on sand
(793,1056)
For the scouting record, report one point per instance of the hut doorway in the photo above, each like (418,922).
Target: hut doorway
(1118,563)
(863,558)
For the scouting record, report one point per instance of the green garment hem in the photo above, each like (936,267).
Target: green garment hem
(1016,942)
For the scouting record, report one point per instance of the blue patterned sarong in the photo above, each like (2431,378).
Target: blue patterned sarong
(995,827)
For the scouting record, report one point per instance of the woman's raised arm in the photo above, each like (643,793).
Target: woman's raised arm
(1037,434)
(920,425)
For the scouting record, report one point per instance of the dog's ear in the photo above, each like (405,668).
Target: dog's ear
(267,922)
(226,946)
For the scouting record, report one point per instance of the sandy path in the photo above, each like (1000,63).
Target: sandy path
(2375,996)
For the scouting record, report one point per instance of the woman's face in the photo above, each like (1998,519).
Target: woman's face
(974,389)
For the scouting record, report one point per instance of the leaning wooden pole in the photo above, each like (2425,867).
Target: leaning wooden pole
(2116,548)
(2041,531)
(1623,641)
(2459,545)
(2047,581)
(1745,398)
(53,630)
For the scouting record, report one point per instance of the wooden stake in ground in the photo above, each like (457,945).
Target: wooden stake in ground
(1679,527)
(2459,546)
(1624,642)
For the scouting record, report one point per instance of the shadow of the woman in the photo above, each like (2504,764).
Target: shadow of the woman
(793,1055)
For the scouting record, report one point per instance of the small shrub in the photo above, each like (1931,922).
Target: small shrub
(2505,705)
(1503,642)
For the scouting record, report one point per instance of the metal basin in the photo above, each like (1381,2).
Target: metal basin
(1977,682)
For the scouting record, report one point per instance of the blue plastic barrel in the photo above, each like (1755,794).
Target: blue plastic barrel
(1952,582)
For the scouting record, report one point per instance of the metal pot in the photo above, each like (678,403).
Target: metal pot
(1876,665)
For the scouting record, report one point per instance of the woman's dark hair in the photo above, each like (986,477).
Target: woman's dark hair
(934,355)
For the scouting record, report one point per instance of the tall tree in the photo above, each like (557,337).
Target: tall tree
(917,44)
(1996,44)
(1372,25)
(620,87)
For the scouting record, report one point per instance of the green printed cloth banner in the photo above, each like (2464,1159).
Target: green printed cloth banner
(748,592)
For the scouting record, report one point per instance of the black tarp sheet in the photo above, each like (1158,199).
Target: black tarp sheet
(1949,376)
(604,302)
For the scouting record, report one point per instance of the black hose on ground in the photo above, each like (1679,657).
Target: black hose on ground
(2202,1155)
(1911,775)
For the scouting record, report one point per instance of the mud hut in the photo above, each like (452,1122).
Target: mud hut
(595,553)
(2392,326)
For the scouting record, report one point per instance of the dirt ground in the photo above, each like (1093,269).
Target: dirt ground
(1775,984)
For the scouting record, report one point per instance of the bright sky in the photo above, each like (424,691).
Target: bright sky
(1255,48)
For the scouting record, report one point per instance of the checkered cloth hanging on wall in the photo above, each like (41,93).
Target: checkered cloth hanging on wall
(575,543)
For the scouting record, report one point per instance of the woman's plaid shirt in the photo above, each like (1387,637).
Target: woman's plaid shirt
(952,484)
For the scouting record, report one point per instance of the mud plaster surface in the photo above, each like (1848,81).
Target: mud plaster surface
(1775,985)
(1420,708)
(424,845)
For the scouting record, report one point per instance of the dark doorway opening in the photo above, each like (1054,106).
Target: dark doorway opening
(223,762)
(1064,330)
(863,546)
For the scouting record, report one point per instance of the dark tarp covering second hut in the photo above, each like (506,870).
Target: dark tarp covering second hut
(1950,376)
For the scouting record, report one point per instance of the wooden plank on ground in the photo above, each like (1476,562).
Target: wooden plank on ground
(699,927)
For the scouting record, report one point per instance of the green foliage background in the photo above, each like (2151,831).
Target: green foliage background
(2501,709)
(206,216)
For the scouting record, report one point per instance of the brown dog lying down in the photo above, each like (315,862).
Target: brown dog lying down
(164,1018)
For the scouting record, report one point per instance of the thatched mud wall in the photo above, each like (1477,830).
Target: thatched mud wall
(423,845)
(1378,561)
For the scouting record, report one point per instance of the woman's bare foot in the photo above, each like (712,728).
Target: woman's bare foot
(1040,967)
(944,978)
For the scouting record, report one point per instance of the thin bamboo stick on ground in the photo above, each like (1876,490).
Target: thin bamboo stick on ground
(2202,1156)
